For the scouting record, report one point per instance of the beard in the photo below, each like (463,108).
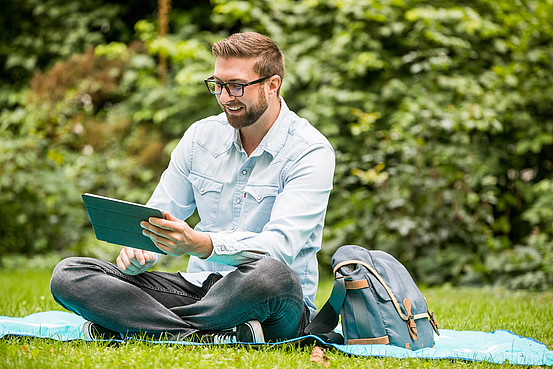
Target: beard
(251,115)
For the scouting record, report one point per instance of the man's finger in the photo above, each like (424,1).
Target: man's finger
(170,217)
(166,248)
(133,258)
(124,263)
(165,242)
(162,223)
(124,257)
(152,230)
(120,263)
(139,256)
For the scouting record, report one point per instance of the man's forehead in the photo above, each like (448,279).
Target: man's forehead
(234,68)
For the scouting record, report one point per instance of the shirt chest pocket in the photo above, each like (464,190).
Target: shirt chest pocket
(259,205)
(207,193)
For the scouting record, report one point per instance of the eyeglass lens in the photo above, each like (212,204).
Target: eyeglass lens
(234,89)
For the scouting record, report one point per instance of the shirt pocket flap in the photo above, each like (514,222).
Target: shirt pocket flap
(261,192)
(204,184)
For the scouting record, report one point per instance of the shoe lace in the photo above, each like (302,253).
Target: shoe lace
(224,337)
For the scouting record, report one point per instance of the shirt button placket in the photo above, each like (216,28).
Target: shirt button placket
(237,201)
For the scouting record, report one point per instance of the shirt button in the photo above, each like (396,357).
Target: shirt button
(238,201)
(232,228)
(259,198)
(244,172)
(202,190)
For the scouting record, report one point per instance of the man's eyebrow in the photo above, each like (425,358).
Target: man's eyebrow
(236,80)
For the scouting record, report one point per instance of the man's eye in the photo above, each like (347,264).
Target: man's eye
(234,87)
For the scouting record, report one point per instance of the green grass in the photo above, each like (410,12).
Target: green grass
(25,292)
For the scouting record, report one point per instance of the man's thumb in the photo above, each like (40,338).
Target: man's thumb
(170,217)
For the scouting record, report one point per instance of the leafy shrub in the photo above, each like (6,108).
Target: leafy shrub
(56,147)
(440,115)
(441,118)
(98,122)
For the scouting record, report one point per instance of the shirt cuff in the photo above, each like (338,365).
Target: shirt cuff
(220,247)
(226,250)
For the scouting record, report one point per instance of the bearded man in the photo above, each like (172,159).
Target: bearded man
(260,178)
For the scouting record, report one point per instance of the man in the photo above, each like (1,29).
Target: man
(260,177)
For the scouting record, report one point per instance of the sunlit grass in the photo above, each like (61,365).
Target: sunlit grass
(25,292)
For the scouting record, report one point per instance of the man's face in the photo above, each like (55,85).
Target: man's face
(245,110)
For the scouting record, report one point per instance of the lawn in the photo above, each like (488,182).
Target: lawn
(486,309)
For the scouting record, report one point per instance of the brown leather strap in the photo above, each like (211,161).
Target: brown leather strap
(384,340)
(410,320)
(407,306)
(432,319)
(357,285)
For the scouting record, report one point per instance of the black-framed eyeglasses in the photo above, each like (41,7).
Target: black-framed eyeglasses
(233,88)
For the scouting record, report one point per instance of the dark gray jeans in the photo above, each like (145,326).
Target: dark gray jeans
(158,303)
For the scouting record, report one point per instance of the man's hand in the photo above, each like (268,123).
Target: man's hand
(177,238)
(135,261)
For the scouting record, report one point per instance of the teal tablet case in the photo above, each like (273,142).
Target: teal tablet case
(118,222)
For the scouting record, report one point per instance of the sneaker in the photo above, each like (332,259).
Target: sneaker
(249,332)
(93,331)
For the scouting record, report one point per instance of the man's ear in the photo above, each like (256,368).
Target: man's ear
(274,84)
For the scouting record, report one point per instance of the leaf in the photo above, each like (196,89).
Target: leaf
(318,357)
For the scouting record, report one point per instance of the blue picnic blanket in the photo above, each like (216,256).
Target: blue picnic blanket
(495,347)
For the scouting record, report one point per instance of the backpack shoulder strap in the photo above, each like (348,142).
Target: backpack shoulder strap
(327,318)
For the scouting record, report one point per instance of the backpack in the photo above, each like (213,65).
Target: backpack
(378,301)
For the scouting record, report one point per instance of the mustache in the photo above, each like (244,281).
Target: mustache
(233,105)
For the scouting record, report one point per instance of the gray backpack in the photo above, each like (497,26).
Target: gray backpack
(378,301)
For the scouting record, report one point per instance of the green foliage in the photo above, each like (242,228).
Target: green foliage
(439,112)
(37,32)
(56,147)
(441,118)
(98,122)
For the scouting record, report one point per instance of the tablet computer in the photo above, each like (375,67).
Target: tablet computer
(118,222)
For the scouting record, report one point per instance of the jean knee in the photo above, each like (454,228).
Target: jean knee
(274,277)
(65,277)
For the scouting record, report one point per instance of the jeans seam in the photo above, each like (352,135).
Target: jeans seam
(129,279)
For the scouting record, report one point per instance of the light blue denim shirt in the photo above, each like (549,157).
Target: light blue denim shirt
(270,204)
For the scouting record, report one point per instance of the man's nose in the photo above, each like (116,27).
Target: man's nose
(225,96)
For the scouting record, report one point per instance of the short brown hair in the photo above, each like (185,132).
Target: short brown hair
(270,60)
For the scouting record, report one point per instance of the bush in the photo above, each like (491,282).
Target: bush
(440,115)
(100,122)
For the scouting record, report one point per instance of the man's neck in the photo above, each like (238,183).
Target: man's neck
(252,136)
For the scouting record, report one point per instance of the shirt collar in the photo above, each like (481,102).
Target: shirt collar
(275,138)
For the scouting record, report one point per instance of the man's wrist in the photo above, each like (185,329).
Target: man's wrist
(204,245)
